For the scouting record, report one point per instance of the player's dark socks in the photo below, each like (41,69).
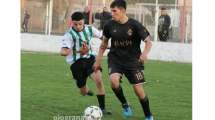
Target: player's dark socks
(101,99)
(125,105)
(119,94)
(145,105)
(90,92)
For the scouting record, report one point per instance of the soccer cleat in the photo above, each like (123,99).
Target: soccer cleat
(127,110)
(149,118)
(90,92)
(105,111)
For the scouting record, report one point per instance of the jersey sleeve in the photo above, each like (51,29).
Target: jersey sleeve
(106,32)
(143,32)
(67,41)
(96,32)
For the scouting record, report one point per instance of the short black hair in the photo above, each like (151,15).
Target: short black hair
(119,4)
(163,8)
(77,16)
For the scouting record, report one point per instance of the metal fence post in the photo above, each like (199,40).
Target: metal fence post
(86,2)
(183,23)
(140,13)
(91,11)
(176,1)
(103,3)
(187,23)
(47,17)
(50,16)
(156,22)
(32,9)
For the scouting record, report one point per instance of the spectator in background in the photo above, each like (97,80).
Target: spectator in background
(86,14)
(163,25)
(105,17)
(24,24)
(97,18)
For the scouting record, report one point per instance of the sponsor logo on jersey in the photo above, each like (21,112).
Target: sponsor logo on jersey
(129,32)
(84,49)
(122,43)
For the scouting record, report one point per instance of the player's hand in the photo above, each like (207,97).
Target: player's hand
(69,51)
(143,58)
(108,46)
(165,31)
(96,66)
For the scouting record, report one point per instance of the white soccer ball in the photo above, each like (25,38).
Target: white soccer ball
(93,113)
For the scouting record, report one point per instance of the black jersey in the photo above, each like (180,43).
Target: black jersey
(125,43)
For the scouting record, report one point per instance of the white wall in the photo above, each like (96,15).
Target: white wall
(164,51)
(41,43)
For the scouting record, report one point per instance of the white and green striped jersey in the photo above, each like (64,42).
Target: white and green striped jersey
(73,39)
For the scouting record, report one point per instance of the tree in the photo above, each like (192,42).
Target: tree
(60,14)
(69,13)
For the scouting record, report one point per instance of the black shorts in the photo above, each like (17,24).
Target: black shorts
(81,69)
(135,77)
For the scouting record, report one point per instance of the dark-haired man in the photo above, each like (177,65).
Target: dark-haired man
(163,25)
(105,17)
(125,55)
(76,46)
(86,14)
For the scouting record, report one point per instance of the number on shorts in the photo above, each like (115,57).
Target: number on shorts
(139,76)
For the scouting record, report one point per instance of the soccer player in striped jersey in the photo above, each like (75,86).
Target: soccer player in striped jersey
(125,56)
(76,46)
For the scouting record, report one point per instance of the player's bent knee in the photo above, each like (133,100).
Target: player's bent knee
(114,81)
(99,82)
(114,84)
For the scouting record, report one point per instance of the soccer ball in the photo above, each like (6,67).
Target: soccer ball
(93,113)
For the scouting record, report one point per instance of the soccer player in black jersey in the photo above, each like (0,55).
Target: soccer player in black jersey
(125,56)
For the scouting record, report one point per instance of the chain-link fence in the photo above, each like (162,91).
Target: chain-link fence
(145,13)
(37,12)
(142,10)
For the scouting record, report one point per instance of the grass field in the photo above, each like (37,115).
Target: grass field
(48,90)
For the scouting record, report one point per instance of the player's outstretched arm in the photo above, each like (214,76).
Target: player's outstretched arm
(102,49)
(65,51)
(143,56)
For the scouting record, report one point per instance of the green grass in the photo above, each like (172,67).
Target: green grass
(48,90)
